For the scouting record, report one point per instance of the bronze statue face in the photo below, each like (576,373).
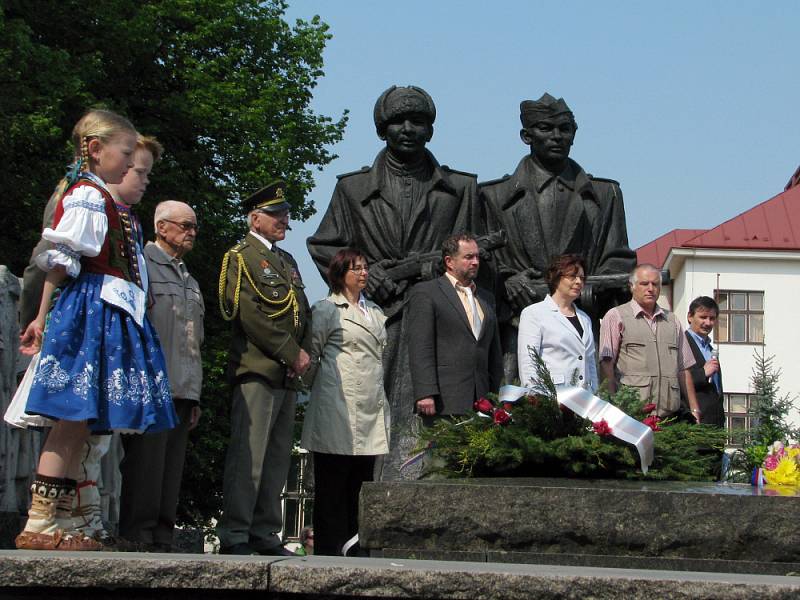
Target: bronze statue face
(550,140)
(406,136)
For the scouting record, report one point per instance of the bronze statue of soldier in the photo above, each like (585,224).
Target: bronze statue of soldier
(551,206)
(398,212)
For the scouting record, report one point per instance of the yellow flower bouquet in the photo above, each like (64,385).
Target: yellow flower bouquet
(781,465)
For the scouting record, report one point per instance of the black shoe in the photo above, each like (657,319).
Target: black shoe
(275,551)
(242,549)
(161,547)
(123,545)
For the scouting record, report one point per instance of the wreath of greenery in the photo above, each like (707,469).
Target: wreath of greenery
(542,439)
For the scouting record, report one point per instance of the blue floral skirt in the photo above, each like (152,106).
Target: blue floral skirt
(98,365)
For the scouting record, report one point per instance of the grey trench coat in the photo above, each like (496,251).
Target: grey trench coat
(347,411)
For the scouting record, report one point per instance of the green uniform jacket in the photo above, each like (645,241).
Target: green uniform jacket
(262,345)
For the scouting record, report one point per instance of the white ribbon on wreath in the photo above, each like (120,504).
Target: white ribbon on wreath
(585,404)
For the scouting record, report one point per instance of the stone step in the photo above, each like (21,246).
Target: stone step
(598,560)
(92,575)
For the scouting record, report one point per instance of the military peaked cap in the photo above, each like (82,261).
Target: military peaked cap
(271,199)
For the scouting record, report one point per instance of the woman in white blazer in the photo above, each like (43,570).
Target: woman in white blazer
(346,421)
(558,330)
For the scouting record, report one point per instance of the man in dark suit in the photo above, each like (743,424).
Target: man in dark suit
(262,294)
(454,345)
(706,373)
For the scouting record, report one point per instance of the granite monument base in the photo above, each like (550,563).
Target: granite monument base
(600,523)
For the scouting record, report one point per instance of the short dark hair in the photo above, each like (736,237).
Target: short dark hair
(451,245)
(340,264)
(704,302)
(562,266)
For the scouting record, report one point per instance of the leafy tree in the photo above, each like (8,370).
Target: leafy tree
(225,85)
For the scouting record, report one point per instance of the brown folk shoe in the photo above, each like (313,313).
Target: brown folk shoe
(28,540)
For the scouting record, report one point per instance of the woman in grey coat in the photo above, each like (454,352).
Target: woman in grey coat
(346,422)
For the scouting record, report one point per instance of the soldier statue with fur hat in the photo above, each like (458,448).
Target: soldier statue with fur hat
(405,203)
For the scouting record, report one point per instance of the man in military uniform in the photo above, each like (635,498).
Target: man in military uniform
(262,294)
(406,203)
(548,207)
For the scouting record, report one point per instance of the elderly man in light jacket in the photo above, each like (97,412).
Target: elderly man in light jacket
(153,465)
(346,423)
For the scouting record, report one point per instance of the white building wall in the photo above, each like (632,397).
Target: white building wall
(700,272)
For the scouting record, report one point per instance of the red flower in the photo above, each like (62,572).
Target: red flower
(501,417)
(652,422)
(648,408)
(483,405)
(508,406)
(601,428)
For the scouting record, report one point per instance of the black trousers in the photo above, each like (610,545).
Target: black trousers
(337,483)
(151,470)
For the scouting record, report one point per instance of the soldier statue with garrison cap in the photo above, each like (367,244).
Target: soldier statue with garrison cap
(261,293)
(405,203)
(550,206)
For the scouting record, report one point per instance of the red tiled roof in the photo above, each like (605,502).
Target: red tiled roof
(771,225)
(656,251)
(794,180)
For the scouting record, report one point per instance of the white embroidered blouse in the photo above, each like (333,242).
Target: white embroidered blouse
(81,230)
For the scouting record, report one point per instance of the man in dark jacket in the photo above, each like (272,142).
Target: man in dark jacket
(706,373)
(405,204)
(454,344)
(550,206)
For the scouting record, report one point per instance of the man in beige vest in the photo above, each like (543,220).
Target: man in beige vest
(644,346)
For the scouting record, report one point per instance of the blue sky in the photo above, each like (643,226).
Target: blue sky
(694,107)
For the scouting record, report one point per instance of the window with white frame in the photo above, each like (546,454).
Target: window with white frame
(741,317)
(739,416)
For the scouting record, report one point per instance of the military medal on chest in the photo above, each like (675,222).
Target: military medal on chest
(268,272)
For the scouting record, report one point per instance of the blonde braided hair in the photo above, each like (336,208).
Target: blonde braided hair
(84,153)
(97,123)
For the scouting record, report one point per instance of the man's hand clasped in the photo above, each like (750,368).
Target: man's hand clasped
(300,365)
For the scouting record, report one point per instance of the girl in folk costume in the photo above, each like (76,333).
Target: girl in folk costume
(87,510)
(101,366)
